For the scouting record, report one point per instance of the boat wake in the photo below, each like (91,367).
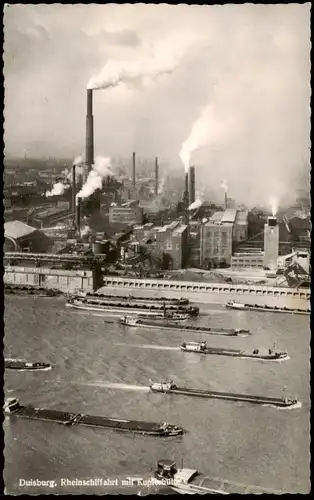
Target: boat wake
(296,406)
(158,347)
(124,387)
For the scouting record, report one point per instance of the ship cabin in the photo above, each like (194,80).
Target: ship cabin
(166,469)
(194,346)
(11,404)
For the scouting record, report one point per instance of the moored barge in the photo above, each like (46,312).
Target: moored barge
(259,307)
(201,348)
(172,325)
(20,364)
(130,307)
(182,301)
(11,289)
(13,407)
(171,388)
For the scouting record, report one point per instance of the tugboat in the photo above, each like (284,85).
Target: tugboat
(258,307)
(201,348)
(190,481)
(19,364)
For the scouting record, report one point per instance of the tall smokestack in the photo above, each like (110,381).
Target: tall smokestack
(156,175)
(186,199)
(133,171)
(226,200)
(89,151)
(73,187)
(78,216)
(191,185)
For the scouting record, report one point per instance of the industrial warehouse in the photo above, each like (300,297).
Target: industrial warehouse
(157,249)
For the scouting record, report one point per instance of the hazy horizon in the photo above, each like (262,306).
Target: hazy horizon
(248,65)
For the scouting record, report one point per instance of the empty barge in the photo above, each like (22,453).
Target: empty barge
(19,364)
(172,325)
(13,407)
(201,348)
(171,388)
(131,307)
(259,307)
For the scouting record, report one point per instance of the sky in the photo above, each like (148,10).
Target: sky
(244,68)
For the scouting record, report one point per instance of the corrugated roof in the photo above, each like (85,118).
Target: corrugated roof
(16,229)
(229,215)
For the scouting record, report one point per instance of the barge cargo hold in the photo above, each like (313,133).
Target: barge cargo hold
(31,290)
(168,325)
(13,407)
(182,301)
(171,388)
(20,364)
(201,348)
(130,307)
(238,306)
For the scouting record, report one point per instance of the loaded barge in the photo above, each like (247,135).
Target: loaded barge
(146,323)
(171,388)
(130,307)
(20,364)
(13,407)
(201,348)
(31,290)
(182,301)
(258,307)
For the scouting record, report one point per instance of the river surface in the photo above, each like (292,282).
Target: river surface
(104,369)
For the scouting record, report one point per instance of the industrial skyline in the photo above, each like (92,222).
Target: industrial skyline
(260,129)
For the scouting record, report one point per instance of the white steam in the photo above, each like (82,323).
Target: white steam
(199,136)
(117,72)
(57,190)
(100,170)
(274,203)
(85,231)
(224,186)
(197,203)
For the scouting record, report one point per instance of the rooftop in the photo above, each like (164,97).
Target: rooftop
(241,217)
(16,229)
(229,215)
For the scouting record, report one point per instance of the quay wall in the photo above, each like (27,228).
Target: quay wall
(49,278)
(208,292)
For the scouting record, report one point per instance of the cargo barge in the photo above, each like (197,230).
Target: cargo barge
(182,301)
(20,364)
(31,290)
(13,407)
(171,388)
(201,348)
(238,306)
(130,307)
(168,325)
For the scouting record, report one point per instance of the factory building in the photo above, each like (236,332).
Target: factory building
(218,235)
(19,237)
(251,260)
(127,213)
(271,244)
(172,240)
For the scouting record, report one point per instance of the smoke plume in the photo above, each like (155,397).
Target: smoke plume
(100,169)
(115,73)
(274,203)
(224,186)
(199,136)
(86,230)
(196,204)
(57,190)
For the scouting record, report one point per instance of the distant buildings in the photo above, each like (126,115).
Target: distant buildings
(127,213)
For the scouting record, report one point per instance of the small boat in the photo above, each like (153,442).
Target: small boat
(232,304)
(19,364)
(201,348)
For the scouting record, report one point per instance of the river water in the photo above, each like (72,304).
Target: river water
(104,369)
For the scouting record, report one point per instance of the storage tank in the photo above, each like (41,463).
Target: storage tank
(100,247)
